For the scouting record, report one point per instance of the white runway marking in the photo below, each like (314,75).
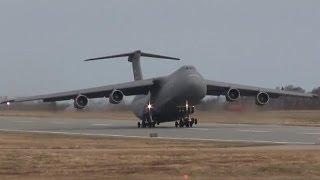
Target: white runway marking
(165,138)
(202,129)
(254,131)
(23,121)
(100,124)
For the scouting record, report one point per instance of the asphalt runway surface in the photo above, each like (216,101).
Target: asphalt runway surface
(301,135)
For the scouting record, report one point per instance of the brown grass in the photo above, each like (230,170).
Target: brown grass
(34,156)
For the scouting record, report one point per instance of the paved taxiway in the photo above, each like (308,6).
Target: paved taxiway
(204,131)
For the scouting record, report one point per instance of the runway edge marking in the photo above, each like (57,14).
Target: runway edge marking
(100,124)
(164,138)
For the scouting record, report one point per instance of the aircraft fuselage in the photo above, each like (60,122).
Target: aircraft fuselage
(186,85)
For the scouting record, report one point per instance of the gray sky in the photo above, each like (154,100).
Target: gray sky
(265,43)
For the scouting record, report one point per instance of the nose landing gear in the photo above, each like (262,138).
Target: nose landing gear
(147,121)
(146,124)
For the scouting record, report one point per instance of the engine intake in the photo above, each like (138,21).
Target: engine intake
(116,96)
(262,98)
(81,101)
(232,95)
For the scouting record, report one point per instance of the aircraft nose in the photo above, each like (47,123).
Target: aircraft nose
(195,87)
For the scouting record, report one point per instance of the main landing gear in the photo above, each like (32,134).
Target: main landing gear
(186,122)
(185,119)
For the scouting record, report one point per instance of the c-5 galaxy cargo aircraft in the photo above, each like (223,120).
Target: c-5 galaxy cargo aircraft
(163,99)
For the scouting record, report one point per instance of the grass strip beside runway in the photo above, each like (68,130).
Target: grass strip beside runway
(34,156)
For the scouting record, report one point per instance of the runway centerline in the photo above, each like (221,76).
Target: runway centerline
(23,121)
(254,131)
(100,124)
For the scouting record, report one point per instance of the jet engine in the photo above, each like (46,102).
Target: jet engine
(232,95)
(262,98)
(81,101)
(116,96)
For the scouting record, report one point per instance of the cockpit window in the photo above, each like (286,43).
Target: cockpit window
(189,67)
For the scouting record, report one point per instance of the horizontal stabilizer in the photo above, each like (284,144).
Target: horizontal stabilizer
(132,55)
(108,57)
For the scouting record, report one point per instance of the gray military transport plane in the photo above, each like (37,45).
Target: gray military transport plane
(162,99)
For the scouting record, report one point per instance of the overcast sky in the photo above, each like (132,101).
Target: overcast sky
(264,43)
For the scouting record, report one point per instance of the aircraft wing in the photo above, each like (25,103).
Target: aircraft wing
(129,88)
(220,88)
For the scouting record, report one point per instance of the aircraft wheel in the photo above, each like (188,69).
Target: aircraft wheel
(151,124)
(139,124)
(181,123)
(144,124)
(188,122)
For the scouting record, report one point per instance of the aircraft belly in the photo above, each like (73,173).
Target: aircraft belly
(167,112)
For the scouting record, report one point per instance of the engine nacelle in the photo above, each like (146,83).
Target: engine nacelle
(262,98)
(81,101)
(116,96)
(232,95)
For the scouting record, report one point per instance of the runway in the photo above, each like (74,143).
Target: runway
(204,131)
